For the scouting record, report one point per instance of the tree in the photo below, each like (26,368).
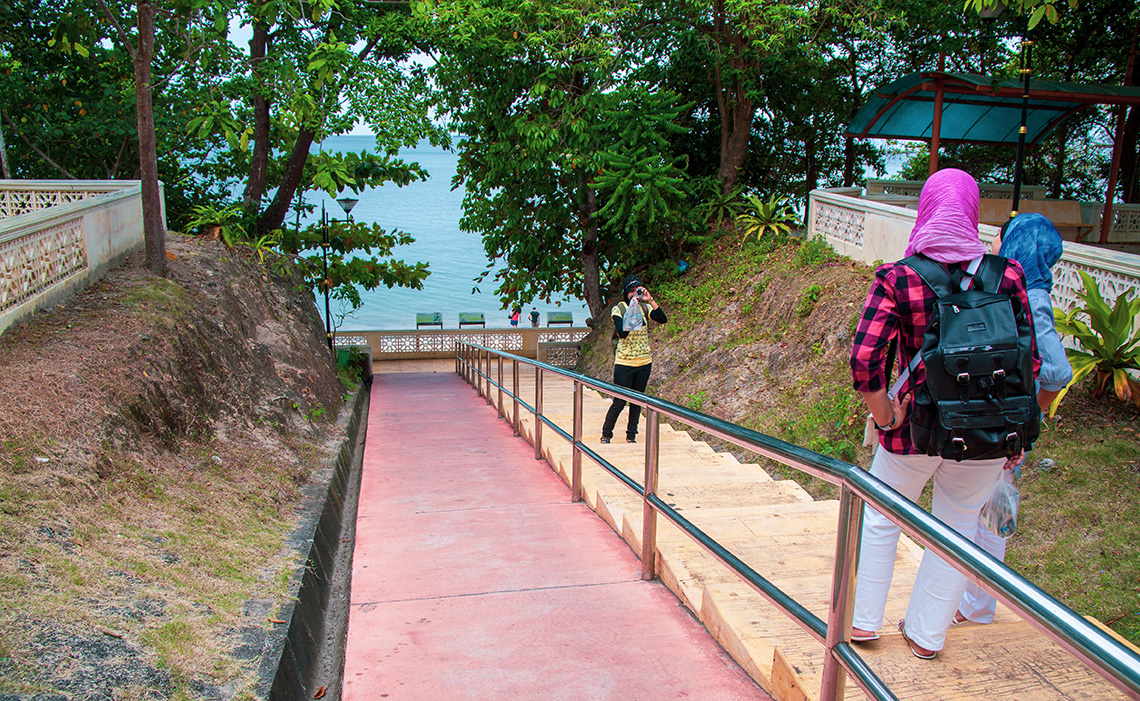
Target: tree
(76,32)
(545,99)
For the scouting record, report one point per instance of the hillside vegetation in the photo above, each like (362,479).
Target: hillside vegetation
(157,434)
(759,334)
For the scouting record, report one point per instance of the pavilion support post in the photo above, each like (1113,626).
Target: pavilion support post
(936,129)
(1117,150)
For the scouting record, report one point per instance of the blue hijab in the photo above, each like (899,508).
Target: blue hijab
(1033,241)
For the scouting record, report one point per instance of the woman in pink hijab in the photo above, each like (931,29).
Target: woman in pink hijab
(898,306)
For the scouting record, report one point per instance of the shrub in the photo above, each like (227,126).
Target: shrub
(815,251)
(808,298)
(774,216)
(1111,342)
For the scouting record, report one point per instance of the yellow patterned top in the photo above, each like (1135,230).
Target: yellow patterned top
(633,350)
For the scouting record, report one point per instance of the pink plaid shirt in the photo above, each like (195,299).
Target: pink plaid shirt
(900,302)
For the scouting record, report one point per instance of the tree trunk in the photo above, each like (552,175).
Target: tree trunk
(3,154)
(733,104)
(259,158)
(274,215)
(154,231)
(591,270)
(734,141)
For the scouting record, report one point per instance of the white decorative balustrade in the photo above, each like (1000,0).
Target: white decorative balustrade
(912,188)
(558,344)
(872,231)
(57,236)
(14,202)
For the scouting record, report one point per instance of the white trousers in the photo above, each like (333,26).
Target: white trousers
(977,604)
(960,490)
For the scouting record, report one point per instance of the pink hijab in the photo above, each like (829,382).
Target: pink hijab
(946,228)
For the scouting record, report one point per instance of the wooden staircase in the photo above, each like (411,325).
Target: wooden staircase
(780,531)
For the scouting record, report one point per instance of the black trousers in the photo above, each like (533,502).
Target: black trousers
(633,378)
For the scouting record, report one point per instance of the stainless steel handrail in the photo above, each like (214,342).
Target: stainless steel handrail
(1094,647)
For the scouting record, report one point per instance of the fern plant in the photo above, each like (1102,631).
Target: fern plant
(760,217)
(719,206)
(225,223)
(1110,339)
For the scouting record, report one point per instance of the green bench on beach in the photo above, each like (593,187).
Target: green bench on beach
(472,319)
(429,319)
(553,318)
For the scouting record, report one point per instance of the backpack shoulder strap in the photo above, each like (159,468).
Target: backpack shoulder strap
(932,273)
(991,272)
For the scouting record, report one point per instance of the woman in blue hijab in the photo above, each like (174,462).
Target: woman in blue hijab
(1032,241)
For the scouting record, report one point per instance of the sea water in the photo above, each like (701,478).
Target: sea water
(430,212)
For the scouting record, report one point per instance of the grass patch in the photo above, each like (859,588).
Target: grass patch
(1078,535)
(160,301)
(202,541)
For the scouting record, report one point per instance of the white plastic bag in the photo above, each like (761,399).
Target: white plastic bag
(634,317)
(1000,511)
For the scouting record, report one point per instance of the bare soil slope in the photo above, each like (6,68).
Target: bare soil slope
(156,434)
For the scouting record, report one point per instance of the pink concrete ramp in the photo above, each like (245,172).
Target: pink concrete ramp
(474,577)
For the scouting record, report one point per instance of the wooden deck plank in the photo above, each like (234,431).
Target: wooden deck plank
(777,529)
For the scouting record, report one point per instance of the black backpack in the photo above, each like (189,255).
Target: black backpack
(979,400)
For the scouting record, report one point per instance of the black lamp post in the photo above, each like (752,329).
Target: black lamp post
(346,203)
(1019,165)
(989,15)
(325,278)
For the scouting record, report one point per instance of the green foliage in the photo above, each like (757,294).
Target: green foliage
(564,152)
(1036,9)
(225,223)
(816,251)
(1110,338)
(262,245)
(696,401)
(775,216)
(719,208)
(831,426)
(359,257)
(807,300)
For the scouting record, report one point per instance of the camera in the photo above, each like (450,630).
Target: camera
(640,293)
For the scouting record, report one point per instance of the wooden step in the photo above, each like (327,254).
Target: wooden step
(776,528)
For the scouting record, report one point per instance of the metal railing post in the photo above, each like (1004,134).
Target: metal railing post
(576,460)
(499,362)
(847,535)
(487,378)
(648,513)
(515,396)
(476,368)
(537,413)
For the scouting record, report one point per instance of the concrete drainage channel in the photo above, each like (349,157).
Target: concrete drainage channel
(305,659)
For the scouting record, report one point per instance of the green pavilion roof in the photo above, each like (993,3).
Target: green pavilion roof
(975,109)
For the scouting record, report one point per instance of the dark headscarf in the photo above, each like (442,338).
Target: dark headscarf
(1033,241)
(628,285)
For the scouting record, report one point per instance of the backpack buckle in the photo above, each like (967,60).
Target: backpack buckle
(1012,443)
(964,387)
(959,447)
(999,383)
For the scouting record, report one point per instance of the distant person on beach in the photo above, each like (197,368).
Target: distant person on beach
(1033,241)
(899,305)
(534,318)
(515,316)
(632,359)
